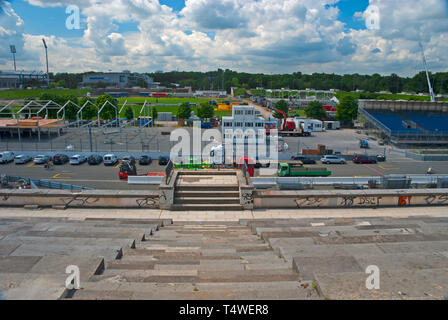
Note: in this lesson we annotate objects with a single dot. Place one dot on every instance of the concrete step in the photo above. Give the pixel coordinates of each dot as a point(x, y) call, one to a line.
point(206, 194)
point(207, 188)
point(206, 207)
point(197, 276)
point(206, 200)
point(202, 291)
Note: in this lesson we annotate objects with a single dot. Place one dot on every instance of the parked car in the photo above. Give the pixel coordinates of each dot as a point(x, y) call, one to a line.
point(6, 157)
point(128, 158)
point(163, 161)
point(304, 160)
point(22, 159)
point(77, 159)
point(41, 159)
point(60, 159)
point(364, 159)
point(95, 159)
point(333, 159)
point(145, 160)
point(110, 159)
point(380, 158)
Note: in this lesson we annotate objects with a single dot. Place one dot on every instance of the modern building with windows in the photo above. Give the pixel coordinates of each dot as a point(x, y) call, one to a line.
point(17, 79)
point(243, 118)
point(122, 80)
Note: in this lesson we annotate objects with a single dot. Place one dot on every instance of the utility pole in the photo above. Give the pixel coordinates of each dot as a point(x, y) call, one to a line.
point(46, 57)
point(13, 51)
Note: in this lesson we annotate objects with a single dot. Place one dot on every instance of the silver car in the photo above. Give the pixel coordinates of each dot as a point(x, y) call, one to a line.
point(41, 159)
point(333, 159)
point(22, 159)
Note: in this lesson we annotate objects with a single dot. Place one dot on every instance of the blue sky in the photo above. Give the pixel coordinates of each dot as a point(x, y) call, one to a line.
point(246, 35)
point(41, 20)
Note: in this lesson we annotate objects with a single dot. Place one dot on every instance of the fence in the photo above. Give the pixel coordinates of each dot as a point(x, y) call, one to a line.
point(47, 183)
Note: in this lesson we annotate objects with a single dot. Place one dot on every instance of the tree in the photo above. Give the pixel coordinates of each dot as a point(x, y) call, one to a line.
point(315, 110)
point(90, 111)
point(129, 113)
point(109, 111)
point(282, 105)
point(154, 113)
point(184, 111)
point(347, 109)
point(205, 111)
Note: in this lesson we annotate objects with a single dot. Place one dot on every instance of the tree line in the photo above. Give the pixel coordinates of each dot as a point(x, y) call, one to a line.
point(225, 79)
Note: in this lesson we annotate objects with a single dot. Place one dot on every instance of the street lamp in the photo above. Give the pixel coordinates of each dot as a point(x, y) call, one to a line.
point(46, 57)
point(13, 51)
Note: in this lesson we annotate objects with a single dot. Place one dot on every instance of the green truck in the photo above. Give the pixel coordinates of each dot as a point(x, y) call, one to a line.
point(192, 164)
point(298, 170)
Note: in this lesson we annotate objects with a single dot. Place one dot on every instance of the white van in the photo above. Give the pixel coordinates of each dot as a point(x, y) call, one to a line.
point(110, 159)
point(6, 157)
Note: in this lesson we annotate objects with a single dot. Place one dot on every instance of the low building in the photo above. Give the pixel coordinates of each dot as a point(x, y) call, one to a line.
point(118, 79)
point(243, 119)
point(16, 79)
point(210, 93)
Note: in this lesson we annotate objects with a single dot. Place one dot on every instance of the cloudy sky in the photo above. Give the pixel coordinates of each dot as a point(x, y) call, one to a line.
point(270, 36)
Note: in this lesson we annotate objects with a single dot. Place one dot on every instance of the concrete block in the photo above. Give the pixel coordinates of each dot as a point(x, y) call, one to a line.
point(307, 266)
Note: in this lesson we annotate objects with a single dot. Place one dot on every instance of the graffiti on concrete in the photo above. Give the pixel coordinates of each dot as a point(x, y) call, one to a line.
point(148, 202)
point(308, 202)
point(369, 201)
point(347, 201)
point(247, 198)
point(79, 201)
point(404, 201)
point(440, 199)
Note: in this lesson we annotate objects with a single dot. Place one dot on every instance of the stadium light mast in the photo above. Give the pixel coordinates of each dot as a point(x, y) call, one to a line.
point(13, 51)
point(46, 57)
point(431, 91)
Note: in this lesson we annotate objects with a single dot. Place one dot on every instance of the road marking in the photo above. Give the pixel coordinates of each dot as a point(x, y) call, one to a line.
point(374, 170)
point(117, 165)
point(31, 165)
point(384, 168)
point(55, 176)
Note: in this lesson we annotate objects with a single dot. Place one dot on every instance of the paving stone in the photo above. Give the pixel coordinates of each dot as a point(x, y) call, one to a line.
point(130, 243)
point(108, 252)
point(6, 249)
point(307, 266)
point(23, 286)
point(408, 261)
point(11, 264)
point(413, 246)
point(58, 264)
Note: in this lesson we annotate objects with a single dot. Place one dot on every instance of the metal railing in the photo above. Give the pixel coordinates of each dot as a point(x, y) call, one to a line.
point(47, 183)
point(168, 171)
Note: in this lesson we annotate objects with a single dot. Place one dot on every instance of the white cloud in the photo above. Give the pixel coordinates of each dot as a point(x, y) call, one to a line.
point(249, 35)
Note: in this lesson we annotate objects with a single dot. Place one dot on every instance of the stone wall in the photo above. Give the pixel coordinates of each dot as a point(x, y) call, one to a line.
point(350, 198)
point(81, 199)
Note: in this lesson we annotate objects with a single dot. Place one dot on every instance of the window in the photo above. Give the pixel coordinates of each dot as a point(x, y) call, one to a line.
point(249, 124)
point(238, 124)
point(228, 124)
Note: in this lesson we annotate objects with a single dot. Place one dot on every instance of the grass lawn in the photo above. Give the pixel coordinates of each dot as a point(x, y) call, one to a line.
point(21, 94)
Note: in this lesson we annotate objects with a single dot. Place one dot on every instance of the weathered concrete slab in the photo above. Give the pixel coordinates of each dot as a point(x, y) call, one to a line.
point(400, 284)
point(108, 252)
point(17, 239)
point(24, 286)
point(308, 266)
point(408, 261)
point(6, 249)
point(11, 264)
point(57, 266)
point(413, 246)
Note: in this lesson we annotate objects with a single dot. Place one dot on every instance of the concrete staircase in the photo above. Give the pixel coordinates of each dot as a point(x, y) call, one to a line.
point(218, 260)
point(200, 190)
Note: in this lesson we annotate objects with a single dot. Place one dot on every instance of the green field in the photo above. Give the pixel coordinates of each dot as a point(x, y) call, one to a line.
point(34, 93)
point(172, 109)
point(167, 100)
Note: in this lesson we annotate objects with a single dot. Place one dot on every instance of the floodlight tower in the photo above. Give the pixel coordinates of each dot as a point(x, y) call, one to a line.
point(431, 91)
point(46, 57)
point(13, 51)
